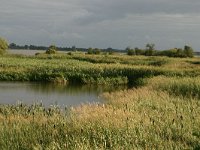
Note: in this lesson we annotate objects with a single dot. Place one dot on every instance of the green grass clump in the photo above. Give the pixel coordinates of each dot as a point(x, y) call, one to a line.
point(186, 86)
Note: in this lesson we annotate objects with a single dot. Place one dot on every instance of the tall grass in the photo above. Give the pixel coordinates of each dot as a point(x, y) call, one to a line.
point(163, 113)
point(77, 68)
point(133, 119)
point(188, 87)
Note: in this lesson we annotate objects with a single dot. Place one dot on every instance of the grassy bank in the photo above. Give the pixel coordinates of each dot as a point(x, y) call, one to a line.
point(93, 69)
point(163, 113)
point(140, 118)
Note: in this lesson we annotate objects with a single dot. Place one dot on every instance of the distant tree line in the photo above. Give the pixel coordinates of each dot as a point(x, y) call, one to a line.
point(73, 48)
point(35, 47)
point(187, 51)
point(26, 47)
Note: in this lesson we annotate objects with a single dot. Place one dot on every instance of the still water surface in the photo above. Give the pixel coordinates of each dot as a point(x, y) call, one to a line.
point(49, 94)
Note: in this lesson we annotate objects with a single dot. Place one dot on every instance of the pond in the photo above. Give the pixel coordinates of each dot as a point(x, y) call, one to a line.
point(51, 94)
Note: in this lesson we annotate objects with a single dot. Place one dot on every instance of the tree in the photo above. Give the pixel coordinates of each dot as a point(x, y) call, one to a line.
point(131, 52)
point(74, 48)
point(188, 51)
point(51, 50)
point(97, 51)
point(180, 52)
point(150, 48)
point(139, 51)
point(110, 50)
point(3, 45)
point(94, 51)
point(90, 50)
point(12, 46)
point(26, 47)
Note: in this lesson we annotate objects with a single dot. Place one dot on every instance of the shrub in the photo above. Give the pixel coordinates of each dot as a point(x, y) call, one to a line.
point(3, 45)
point(51, 50)
point(97, 51)
point(94, 51)
point(90, 51)
point(131, 52)
point(188, 51)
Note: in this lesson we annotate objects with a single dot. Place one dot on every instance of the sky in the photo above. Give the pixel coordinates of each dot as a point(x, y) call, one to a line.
point(101, 23)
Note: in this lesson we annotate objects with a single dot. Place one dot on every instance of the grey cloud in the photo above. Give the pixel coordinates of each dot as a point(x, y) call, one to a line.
point(101, 23)
point(117, 9)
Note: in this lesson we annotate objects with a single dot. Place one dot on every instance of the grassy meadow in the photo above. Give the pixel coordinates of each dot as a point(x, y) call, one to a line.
point(161, 110)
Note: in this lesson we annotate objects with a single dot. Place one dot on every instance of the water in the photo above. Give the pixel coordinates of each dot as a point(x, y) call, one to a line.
point(50, 94)
point(27, 52)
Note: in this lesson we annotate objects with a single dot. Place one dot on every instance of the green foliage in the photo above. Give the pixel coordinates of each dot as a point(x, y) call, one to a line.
point(94, 51)
point(52, 49)
point(74, 48)
point(188, 51)
point(93, 69)
point(97, 51)
point(142, 118)
point(3, 45)
point(188, 87)
point(90, 50)
point(139, 51)
point(131, 52)
point(135, 51)
point(110, 51)
point(162, 113)
point(150, 49)
point(171, 53)
point(176, 52)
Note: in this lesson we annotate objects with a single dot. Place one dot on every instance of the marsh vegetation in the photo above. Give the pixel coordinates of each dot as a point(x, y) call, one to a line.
point(162, 110)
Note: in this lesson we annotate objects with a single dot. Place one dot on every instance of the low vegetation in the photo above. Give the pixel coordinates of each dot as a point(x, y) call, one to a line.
point(161, 112)
point(93, 69)
point(51, 50)
point(148, 117)
point(3, 46)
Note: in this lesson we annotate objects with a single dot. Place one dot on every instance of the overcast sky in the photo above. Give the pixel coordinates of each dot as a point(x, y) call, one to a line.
point(101, 23)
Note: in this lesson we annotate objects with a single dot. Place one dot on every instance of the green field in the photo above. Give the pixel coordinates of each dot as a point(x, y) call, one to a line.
point(160, 111)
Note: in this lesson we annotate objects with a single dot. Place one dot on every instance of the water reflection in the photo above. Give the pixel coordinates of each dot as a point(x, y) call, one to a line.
point(47, 93)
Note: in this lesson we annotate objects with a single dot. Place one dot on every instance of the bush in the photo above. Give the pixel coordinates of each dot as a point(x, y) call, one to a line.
point(177, 52)
point(131, 52)
point(3, 45)
point(94, 51)
point(188, 51)
point(97, 51)
point(139, 51)
point(52, 50)
point(90, 51)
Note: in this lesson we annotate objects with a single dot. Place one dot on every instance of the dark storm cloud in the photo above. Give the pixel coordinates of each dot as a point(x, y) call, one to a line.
point(101, 23)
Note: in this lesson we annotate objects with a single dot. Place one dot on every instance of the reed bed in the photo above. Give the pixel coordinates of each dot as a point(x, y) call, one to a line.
point(162, 113)
point(187, 87)
point(78, 68)
point(132, 119)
